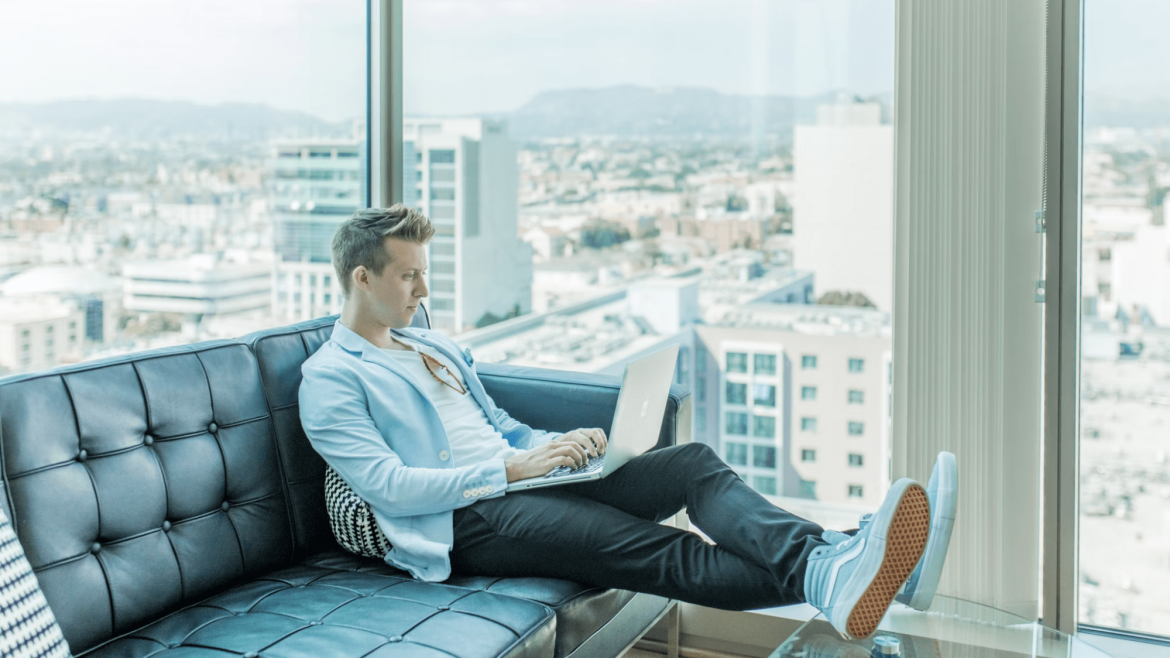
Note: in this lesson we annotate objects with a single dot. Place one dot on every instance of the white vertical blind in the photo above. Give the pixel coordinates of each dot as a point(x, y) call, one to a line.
point(967, 329)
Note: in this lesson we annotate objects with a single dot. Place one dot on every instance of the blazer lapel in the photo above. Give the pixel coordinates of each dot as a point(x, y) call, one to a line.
point(351, 342)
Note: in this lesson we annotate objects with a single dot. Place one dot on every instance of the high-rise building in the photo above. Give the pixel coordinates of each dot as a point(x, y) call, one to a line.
point(316, 185)
point(843, 210)
point(462, 173)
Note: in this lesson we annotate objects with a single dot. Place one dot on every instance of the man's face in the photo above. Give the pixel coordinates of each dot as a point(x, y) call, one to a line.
point(395, 294)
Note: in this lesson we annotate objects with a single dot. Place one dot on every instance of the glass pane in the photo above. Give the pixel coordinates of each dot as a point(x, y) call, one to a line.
point(1125, 326)
point(175, 172)
point(640, 191)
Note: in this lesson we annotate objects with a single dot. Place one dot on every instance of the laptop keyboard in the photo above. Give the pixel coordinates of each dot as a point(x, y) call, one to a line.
point(594, 464)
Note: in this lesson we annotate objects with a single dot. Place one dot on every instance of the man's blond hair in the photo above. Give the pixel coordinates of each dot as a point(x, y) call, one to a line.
point(360, 240)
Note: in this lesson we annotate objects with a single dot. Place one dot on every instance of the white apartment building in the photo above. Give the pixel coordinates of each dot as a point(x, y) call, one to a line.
point(797, 402)
point(39, 333)
point(843, 204)
point(316, 185)
point(199, 285)
point(462, 173)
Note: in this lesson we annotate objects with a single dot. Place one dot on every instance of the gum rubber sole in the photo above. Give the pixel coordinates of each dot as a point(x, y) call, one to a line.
point(905, 542)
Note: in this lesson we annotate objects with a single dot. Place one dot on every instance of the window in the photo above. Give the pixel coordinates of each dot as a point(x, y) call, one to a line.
point(443, 157)
point(808, 424)
point(807, 455)
point(808, 489)
point(440, 267)
point(444, 230)
point(808, 392)
point(700, 359)
point(764, 395)
point(442, 175)
point(764, 427)
point(443, 285)
point(856, 397)
point(736, 362)
point(49, 330)
point(442, 194)
point(855, 491)
point(443, 304)
point(763, 456)
point(856, 428)
point(856, 460)
point(764, 484)
point(856, 365)
point(443, 248)
point(735, 453)
point(701, 420)
point(736, 393)
point(737, 423)
point(765, 364)
point(808, 362)
point(442, 211)
point(700, 388)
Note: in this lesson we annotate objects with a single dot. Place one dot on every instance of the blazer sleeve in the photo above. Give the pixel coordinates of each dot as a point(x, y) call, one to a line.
point(333, 408)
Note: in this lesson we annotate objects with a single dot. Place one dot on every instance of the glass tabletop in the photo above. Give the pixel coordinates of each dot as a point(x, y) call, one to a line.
point(951, 628)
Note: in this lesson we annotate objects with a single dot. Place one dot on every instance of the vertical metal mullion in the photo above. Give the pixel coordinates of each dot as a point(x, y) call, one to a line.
point(385, 103)
point(1062, 314)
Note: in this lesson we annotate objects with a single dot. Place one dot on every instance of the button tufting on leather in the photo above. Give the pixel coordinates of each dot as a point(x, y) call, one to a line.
point(95, 548)
point(148, 440)
point(213, 428)
point(396, 638)
point(315, 623)
point(251, 654)
point(166, 526)
point(225, 506)
point(82, 456)
point(444, 608)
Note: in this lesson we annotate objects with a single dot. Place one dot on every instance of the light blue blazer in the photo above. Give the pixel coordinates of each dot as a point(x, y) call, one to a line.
point(371, 421)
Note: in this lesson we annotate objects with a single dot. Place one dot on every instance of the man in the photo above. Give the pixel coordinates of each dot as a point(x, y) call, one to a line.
point(402, 417)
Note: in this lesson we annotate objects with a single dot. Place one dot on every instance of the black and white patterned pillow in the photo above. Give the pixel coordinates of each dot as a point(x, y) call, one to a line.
point(352, 520)
point(28, 628)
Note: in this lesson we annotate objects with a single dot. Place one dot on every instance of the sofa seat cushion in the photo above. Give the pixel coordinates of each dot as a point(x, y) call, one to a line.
point(332, 605)
point(581, 610)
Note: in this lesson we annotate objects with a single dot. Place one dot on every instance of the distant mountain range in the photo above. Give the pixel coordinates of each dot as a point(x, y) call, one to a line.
point(629, 111)
point(624, 111)
point(151, 120)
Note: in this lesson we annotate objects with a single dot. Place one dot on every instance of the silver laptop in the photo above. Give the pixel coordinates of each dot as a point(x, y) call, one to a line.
point(637, 422)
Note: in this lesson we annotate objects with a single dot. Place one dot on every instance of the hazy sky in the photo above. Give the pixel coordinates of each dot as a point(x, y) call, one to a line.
point(466, 56)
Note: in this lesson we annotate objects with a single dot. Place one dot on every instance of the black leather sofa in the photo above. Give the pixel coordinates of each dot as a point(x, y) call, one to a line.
point(171, 506)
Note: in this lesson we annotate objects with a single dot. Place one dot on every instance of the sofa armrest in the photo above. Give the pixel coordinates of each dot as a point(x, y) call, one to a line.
point(560, 400)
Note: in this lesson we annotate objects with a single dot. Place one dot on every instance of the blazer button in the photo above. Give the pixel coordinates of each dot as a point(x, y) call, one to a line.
point(466, 493)
point(490, 488)
point(444, 455)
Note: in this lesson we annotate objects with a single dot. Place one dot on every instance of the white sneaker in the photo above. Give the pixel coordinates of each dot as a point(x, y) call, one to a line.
point(854, 579)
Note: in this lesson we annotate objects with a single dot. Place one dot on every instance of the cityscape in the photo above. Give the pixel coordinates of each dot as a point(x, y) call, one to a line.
point(761, 256)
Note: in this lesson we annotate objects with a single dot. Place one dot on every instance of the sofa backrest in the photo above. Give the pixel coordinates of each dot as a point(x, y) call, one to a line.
point(280, 353)
point(137, 484)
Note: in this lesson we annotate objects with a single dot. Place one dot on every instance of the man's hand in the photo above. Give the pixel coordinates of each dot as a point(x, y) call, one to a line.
point(572, 449)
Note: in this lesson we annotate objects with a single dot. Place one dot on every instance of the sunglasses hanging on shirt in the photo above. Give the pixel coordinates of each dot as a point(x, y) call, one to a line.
point(431, 363)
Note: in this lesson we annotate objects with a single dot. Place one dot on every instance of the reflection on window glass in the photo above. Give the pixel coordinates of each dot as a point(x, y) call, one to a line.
point(765, 364)
point(856, 365)
point(808, 393)
point(764, 395)
point(856, 397)
point(736, 362)
point(735, 453)
point(855, 491)
point(856, 460)
point(737, 423)
point(764, 484)
point(808, 362)
point(764, 427)
point(856, 428)
point(763, 456)
point(808, 455)
point(808, 424)
point(736, 393)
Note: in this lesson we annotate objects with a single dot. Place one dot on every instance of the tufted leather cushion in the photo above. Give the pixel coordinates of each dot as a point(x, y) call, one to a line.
point(138, 484)
point(340, 605)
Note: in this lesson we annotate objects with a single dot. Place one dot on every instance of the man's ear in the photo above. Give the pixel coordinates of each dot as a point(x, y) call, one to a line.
point(360, 277)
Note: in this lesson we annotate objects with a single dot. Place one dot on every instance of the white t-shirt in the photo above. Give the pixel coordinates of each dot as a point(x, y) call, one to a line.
point(472, 437)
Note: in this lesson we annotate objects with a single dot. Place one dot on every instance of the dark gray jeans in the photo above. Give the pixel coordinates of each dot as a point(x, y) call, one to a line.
point(606, 533)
